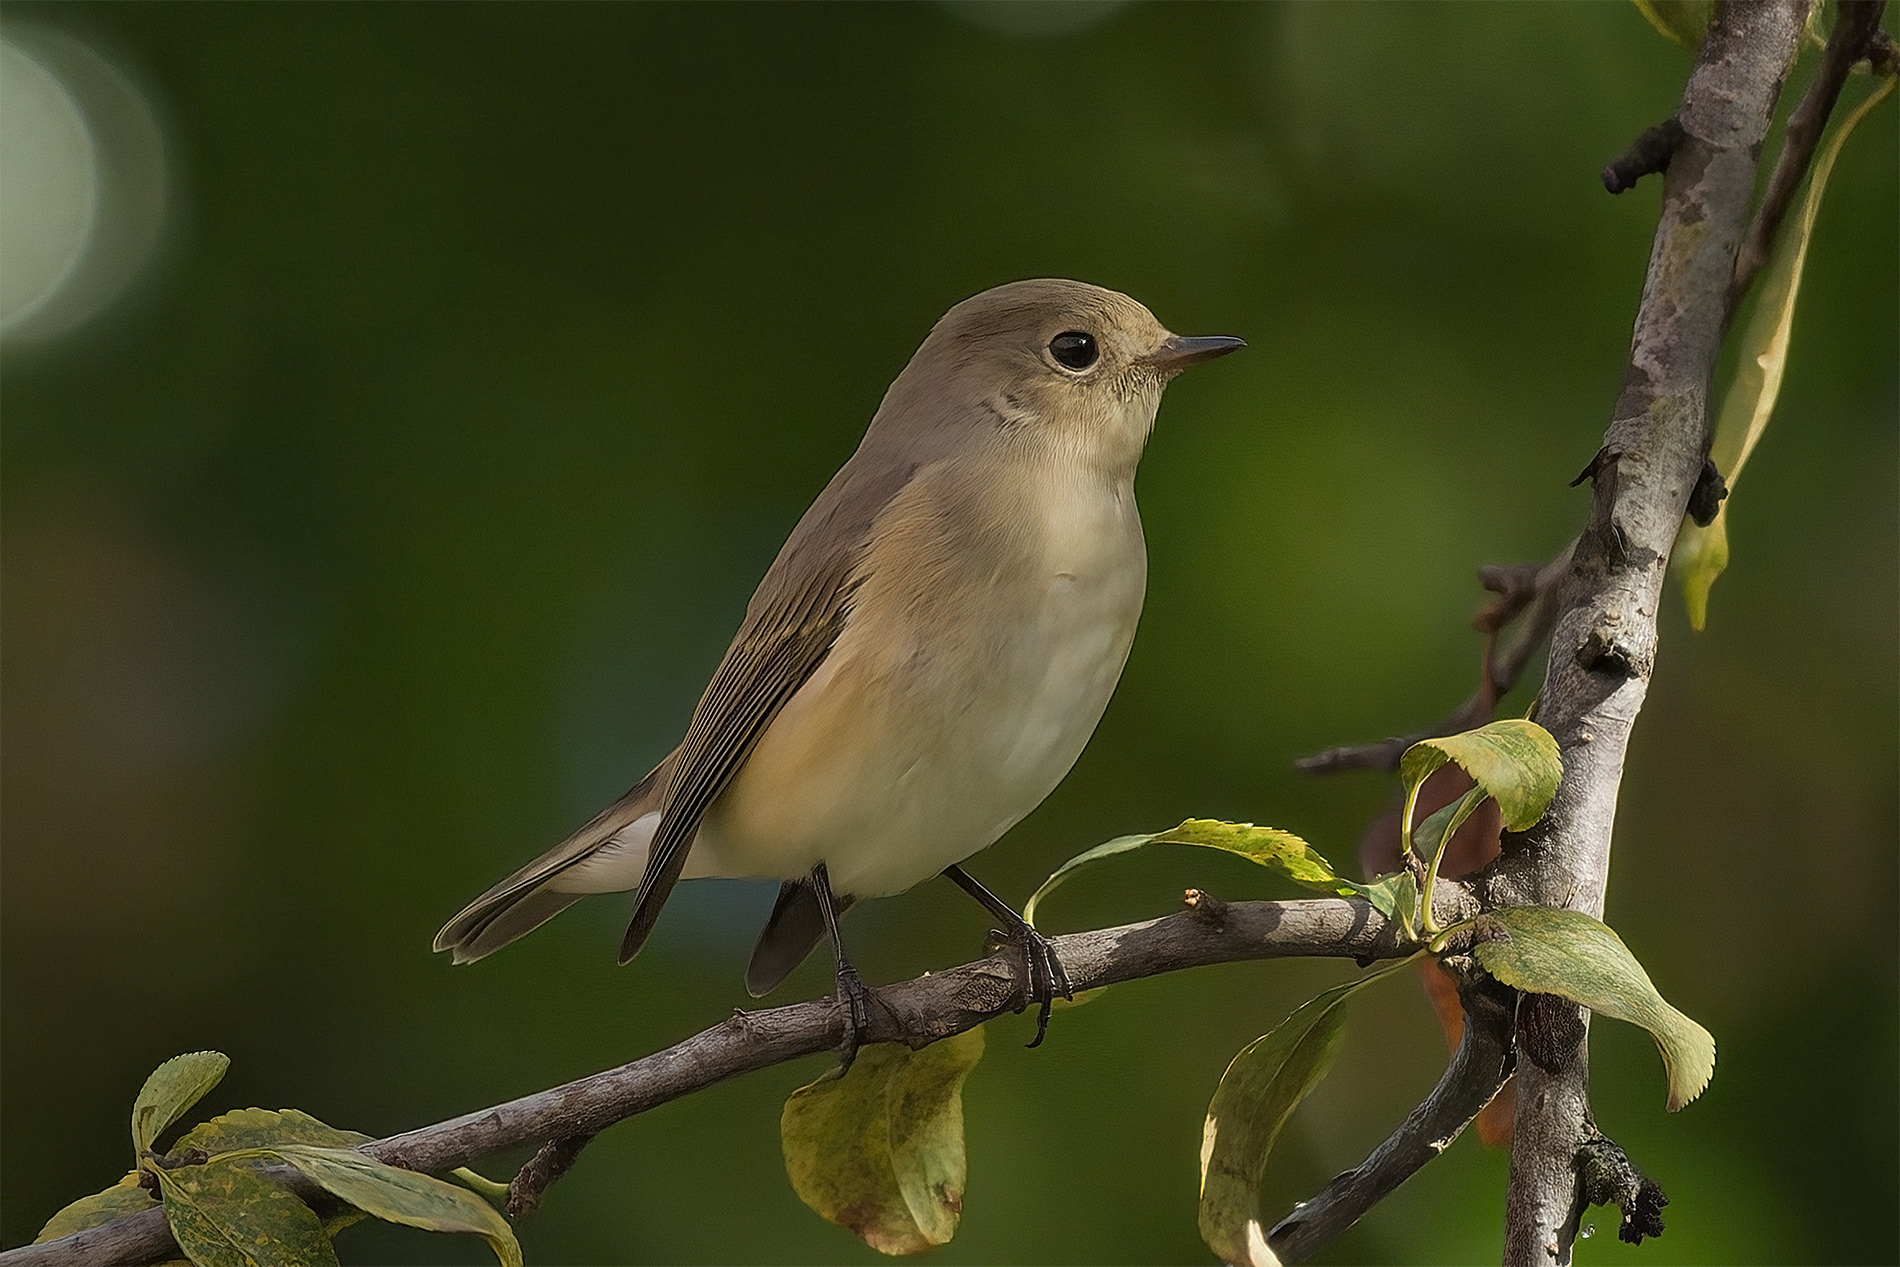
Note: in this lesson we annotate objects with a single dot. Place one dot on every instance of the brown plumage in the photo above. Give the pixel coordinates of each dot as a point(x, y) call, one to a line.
point(929, 651)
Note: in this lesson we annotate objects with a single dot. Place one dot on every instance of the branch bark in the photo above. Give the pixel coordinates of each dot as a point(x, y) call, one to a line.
point(1603, 647)
point(915, 1013)
point(1478, 1070)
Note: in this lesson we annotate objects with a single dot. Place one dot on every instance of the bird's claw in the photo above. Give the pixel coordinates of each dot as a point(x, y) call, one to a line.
point(1047, 979)
point(854, 999)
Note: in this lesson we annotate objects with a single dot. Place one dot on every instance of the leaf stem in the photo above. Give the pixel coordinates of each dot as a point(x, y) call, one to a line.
point(1426, 918)
point(1405, 820)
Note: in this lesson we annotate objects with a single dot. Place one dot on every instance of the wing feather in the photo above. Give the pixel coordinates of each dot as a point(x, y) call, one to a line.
point(794, 619)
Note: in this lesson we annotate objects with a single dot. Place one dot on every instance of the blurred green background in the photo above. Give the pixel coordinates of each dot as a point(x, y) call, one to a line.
point(391, 524)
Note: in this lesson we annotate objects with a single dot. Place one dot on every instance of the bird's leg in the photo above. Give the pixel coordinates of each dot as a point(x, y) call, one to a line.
point(1046, 976)
point(853, 998)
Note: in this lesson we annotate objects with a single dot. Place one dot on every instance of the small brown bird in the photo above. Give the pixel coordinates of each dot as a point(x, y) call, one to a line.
point(924, 660)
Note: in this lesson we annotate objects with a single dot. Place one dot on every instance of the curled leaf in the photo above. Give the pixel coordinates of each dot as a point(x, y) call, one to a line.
point(173, 1087)
point(879, 1151)
point(1514, 761)
point(1259, 1091)
point(404, 1196)
point(1700, 556)
point(1278, 851)
point(1569, 954)
point(1395, 896)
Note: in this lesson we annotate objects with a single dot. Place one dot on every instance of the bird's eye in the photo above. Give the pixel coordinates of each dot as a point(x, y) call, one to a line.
point(1073, 349)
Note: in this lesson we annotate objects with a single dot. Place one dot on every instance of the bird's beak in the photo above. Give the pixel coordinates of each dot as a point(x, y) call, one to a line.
point(1180, 351)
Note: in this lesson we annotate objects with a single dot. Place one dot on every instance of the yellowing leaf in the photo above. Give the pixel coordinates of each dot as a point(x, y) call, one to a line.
point(123, 1198)
point(261, 1128)
point(404, 1196)
point(1259, 1091)
point(1567, 953)
point(1701, 554)
point(879, 1151)
point(1279, 851)
point(173, 1087)
point(225, 1214)
point(1514, 761)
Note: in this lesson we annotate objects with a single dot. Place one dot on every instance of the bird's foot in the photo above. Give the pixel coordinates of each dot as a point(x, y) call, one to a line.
point(1046, 979)
point(1042, 967)
point(854, 999)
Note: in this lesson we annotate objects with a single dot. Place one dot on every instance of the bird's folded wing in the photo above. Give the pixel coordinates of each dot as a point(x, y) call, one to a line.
point(794, 619)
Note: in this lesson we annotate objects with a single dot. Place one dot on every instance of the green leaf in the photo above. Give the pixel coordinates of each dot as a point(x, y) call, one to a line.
point(260, 1128)
point(1567, 953)
point(122, 1198)
point(1279, 851)
point(226, 1214)
point(404, 1196)
point(1257, 1094)
point(1514, 761)
point(879, 1151)
point(1395, 896)
point(173, 1087)
point(1684, 21)
point(1430, 836)
point(1701, 554)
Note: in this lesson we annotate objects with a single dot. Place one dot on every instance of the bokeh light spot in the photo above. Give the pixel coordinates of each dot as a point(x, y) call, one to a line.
point(48, 185)
point(82, 184)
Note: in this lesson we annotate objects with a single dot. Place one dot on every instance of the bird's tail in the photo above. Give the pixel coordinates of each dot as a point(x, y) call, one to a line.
point(796, 926)
point(602, 857)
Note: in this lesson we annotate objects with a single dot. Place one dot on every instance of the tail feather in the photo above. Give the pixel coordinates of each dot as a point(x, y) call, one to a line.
point(502, 922)
point(792, 932)
point(527, 899)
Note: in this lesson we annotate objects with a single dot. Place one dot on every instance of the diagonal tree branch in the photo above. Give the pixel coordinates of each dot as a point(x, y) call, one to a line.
point(1603, 647)
point(1478, 1070)
point(915, 1013)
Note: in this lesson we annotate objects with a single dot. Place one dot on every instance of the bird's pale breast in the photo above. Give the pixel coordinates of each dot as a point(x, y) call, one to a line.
point(952, 704)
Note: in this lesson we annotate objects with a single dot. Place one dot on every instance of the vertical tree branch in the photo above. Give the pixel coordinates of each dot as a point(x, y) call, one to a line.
point(1603, 647)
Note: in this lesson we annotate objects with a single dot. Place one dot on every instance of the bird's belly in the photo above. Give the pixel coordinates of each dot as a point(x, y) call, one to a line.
point(896, 761)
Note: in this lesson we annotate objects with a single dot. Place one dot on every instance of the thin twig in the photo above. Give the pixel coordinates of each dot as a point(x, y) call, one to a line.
point(1515, 626)
point(1607, 1176)
point(1883, 55)
point(1856, 24)
point(1478, 1069)
point(915, 1013)
point(1648, 154)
